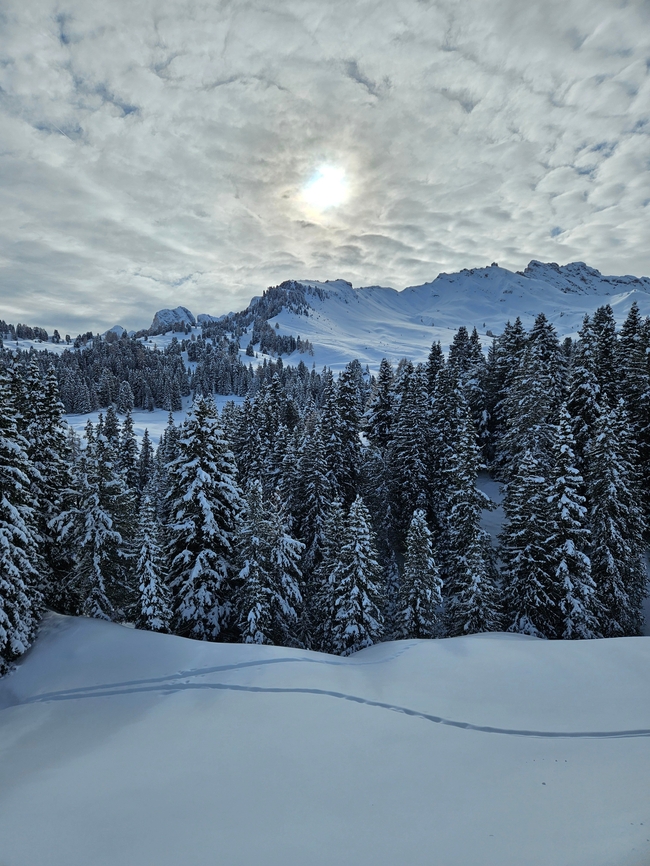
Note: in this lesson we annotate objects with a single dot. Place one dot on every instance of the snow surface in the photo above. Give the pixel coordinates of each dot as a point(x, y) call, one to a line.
point(120, 746)
point(155, 422)
point(375, 322)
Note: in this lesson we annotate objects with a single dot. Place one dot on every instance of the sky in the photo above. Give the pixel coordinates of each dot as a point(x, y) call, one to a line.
point(157, 152)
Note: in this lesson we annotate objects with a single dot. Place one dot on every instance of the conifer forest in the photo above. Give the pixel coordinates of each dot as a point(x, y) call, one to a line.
point(330, 512)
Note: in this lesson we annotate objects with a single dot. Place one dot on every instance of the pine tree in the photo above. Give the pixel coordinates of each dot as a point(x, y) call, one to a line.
point(471, 592)
point(270, 574)
point(349, 404)
point(205, 504)
point(379, 417)
point(49, 450)
point(128, 453)
point(604, 329)
point(19, 597)
point(617, 526)
point(154, 600)
point(285, 553)
point(420, 592)
point(125, 399)
point(585, 400)
point(531, 591)
point(145, 462)
point(95, 527)
point(321, 608)
point(569, 540)
point(355, 596)
point(534, 398)
point(408, 451)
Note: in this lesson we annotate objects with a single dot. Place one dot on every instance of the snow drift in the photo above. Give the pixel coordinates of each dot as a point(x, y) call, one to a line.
point(119, 746)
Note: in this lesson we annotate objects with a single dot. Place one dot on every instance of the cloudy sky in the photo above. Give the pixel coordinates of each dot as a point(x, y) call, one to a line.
point(158, 152)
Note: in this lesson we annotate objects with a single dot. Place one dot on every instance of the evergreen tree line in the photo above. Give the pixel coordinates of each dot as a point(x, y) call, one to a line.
point(330, 513)
point(127, 373)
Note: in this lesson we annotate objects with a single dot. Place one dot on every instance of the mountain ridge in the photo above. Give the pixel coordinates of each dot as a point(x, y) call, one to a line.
point(339, 322)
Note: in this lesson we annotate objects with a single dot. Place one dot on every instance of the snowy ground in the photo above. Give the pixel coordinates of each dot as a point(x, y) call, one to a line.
point(124, 747)
point(155, 422)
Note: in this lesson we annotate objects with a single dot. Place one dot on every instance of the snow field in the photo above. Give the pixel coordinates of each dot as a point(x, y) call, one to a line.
point(122, 746)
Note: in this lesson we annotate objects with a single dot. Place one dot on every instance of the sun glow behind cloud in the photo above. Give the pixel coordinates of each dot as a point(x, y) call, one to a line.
point(328, 188)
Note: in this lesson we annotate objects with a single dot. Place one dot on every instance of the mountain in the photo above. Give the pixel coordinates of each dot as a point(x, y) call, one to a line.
point(337, 322)
point(168, 320)
point(120, 746)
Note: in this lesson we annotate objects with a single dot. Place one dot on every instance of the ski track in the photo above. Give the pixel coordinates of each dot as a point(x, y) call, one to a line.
point(169, 687)
point(335, 661)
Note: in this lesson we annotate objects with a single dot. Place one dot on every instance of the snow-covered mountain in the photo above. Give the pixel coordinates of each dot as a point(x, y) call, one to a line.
point(342, 322)
point(165, 320)
point(129, 747)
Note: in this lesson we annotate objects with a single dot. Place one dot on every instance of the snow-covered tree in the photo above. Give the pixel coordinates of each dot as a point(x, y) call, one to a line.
point(420, 591)
point(96, 528)
point(569, 540)
point(19, 577)
point(471, 593)
point(204, 503)
point(270, 597)
point(355, 597)
point(153, 610)
point(379, 417)
point(617, 526)
point(531, 590)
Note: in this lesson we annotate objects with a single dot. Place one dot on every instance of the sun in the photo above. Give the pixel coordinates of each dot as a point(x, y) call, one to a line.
point(328, 188)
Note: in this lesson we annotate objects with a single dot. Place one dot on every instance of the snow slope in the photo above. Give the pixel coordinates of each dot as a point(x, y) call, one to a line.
point(375, 322)
point(126, 747)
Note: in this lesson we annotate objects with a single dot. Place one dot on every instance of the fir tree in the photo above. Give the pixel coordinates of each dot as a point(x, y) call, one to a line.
point(379, 417)
point(585, 400)
point(270, 574)
point(205, 504)
point(420, 592)
point(95, 527)
point(355, 596)
point(531, 591)
point(19, 597)
point(569, 540)
point(145, 462)
point(471, 593)
point(617, 527)
point(154, 600)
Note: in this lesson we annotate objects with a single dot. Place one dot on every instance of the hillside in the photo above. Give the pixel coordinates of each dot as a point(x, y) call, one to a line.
point(342, 322)
point(121, 746)
point(372, 323)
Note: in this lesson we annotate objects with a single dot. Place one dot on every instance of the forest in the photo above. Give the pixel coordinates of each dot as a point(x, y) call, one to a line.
point(327, 512)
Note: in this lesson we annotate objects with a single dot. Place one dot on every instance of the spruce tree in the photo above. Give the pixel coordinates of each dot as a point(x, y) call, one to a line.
point(145, 466)
point(531, 591)
point(408, 453)
point(204, 503)
point(50, 452)
point(321, 600)
point(585, 400)
point(617, 526)
point(420, 591)
point(355, 595)
point(270, 597)
point(153, 610)
point(379, 417)
point(569, 540)
point(20, 601)
point(96, 527)
point(471, 593)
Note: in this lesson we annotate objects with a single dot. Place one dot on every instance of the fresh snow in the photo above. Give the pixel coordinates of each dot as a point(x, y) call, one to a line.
point(375, 322)
point(125, 746)
point(155, 422)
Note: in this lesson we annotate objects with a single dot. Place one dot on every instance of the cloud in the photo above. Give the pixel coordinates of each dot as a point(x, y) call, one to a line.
point(154, 153)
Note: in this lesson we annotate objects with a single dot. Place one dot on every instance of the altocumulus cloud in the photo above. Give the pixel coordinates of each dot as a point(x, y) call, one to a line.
point(153, 152)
